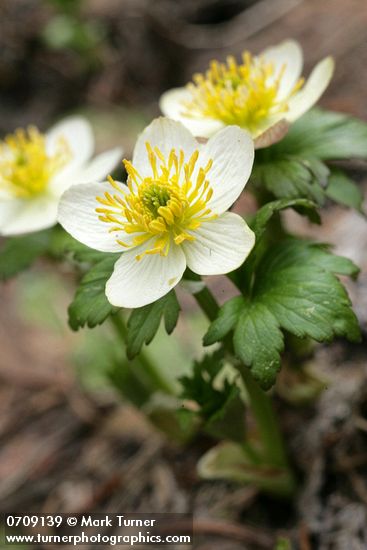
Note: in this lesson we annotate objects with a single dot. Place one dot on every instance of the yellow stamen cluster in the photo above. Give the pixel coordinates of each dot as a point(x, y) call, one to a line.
point(245, 94)
point(162, 208)
point(25, 166)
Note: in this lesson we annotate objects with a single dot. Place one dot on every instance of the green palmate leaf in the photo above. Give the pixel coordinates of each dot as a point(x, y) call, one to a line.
point(90, 306)
point(343, 190)
point(289, 176)
point(294, 289)
point(144, 322)
point(18, 253)
point(221, 407)
point(295, 282)
point(258, 342)
point(243, 277)
point(225, 322)
point(325, 135)
point(263, 215)
point(295, 167)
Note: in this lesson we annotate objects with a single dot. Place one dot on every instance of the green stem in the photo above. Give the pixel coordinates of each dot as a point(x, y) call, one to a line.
point(259, 400)
point(263, 411)
point(251, 453)
point(159, 382)
point(208, 303)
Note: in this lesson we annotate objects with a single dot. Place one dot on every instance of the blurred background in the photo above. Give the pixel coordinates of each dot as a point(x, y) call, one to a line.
point(67, 441)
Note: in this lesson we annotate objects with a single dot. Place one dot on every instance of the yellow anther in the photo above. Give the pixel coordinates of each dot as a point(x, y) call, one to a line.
point(140, 239)
point(245, 94)
point(26, 168)
point(166, 213)
point(133, 175)
point(162, 207)
point(208, 166)
point(125, 245)
point(158, 226)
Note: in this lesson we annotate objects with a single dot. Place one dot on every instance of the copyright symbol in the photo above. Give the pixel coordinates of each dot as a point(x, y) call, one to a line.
point(72, 521)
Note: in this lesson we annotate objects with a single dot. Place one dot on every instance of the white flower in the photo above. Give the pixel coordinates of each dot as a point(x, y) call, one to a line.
point(170, 215)
point(35, 170)
point(263, 94)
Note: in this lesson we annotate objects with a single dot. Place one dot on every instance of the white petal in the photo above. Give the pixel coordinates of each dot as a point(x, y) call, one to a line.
point(232, 151)
point(287, 54)
point(5, 195)
point(25, 216)
point(96, 170)
point(138, 283)
point(165, 134)
point(315, 86)
point(101, 166)
point(220, 246)
point(79, 136)
point(171, 105)
point(77, 214)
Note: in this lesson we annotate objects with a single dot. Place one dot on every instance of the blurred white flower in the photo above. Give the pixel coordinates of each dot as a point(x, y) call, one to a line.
point(35, 170)
point(263, 94)
point(170, 215)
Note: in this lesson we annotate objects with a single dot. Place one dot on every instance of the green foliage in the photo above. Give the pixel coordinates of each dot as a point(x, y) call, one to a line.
point(325, 135)
point(199, 386)
point(295, 166)
point(265, 213)
point(221, 409)
point(229, 460)
point(343, 190)
point(68, 31)
point(167, 414)
point(19, 253)
point(289, 176)
point(258, 341)
point(225, 322)
point(81, 253)
point(244, 275)
point(283, 544)
point(144, 322)
point(294, 289)
point(131, 381)
point(90, 306)
point(228, 421)
point(66, 5)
